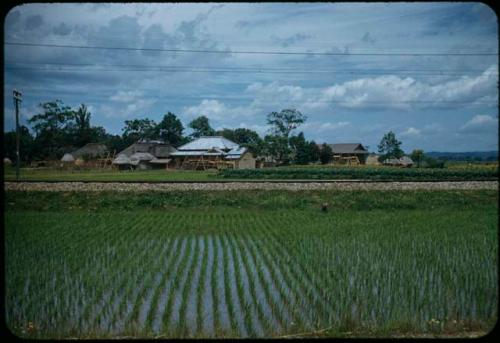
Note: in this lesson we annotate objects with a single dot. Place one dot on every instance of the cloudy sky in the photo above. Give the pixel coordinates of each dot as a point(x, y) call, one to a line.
point(427, 71)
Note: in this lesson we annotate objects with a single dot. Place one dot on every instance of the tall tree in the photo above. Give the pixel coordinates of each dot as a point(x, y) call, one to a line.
point(170, 129)
point(137, 129)
point(389, 147)
point(282, 123)
point(82, 130)
point(325, 154)
point(314, 152)
point(201, 127)
point(277, 147)
point(300, 149)
point(52, 130)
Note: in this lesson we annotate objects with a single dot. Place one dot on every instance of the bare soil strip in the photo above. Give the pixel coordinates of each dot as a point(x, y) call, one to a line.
point(293, 186)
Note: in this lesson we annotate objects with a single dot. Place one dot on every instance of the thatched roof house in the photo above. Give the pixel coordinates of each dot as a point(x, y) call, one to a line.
point(347, 152)
point(91, 150)
point(156, 148)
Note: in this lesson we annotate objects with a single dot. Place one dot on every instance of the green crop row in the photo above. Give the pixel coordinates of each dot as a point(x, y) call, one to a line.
point(403, 174)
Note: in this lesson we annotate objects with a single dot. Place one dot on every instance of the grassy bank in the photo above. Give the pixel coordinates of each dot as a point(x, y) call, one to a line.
point(250, 264)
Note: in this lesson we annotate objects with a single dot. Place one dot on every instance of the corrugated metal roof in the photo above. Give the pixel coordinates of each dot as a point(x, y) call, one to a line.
point(68, 158)
point(206, 143)
point(237, 151)
point(197, 153)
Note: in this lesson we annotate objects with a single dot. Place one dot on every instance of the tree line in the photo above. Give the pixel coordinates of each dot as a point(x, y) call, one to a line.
point(59, 129)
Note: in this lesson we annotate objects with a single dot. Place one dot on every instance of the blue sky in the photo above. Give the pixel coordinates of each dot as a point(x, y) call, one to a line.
point(436, 103)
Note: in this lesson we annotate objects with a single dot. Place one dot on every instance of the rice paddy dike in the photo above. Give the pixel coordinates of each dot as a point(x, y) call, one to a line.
point(251, 264)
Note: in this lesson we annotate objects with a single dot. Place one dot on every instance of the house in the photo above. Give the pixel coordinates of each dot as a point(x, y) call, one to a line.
point(213, 152)
point(349, 153)
point(145, 154)
point(89, 151)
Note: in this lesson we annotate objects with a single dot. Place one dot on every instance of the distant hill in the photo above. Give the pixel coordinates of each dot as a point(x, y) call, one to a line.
point(465, 156)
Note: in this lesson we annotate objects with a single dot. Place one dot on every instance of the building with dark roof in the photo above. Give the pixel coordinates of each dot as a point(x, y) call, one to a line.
point(350, 153)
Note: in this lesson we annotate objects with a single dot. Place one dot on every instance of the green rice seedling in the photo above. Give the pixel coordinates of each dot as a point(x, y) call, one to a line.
point(186, 289)
point(200, 289)
point(245, 306)
point(176, 283)
point(227, 287)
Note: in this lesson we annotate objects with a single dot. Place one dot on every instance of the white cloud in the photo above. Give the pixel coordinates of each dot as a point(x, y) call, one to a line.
point(480, 123)
point(126, 96)
point(411, 132)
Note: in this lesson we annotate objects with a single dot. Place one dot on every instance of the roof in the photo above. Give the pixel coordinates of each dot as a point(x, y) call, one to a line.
point(209, 142)
point(348, 148)
point(406, 160)
point(160, 160)
point(121, 159)
point(90, 149)
point(153, 147)
point(141, 156)
point(68, 158)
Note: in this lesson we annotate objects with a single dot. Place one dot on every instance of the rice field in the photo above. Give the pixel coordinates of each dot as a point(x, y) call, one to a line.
point(227, 272)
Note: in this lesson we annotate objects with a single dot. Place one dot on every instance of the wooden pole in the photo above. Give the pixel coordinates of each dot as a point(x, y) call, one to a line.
point(17, 99)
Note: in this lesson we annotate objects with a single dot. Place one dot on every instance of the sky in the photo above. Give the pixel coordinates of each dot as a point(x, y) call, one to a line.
point(427, 71)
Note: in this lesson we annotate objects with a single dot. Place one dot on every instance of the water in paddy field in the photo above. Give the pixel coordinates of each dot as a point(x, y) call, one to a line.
point(205, 285)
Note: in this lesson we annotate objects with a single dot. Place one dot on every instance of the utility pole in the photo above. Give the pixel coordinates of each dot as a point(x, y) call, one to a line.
point(17, 99)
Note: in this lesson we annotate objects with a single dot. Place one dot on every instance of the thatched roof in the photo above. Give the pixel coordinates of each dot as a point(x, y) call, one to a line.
point(140, 156)
point(91, 150)
point(7, 160)
point(68, 158)
point(121, 159)
point(348, 148)
point(156, 148)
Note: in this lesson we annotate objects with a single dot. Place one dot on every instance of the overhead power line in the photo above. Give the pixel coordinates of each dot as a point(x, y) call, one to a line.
point(250, 52)
point(173, 68)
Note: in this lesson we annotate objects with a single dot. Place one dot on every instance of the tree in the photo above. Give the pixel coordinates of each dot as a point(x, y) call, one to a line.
point(300, 149)
point(52, 130)
point(170, 129)
point(201, 127)
point(389, 147)
point(137, 129)
point(277, 147)
point(325, 154)
point(417, 156)
point(244, 137)
point(314, 152)
point(25, 145)
point(284, 122)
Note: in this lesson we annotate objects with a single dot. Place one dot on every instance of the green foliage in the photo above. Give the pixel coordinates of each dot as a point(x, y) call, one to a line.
point(244, 137)
point(137, 129)
point(170, 129)
point(366, 173)
point(325, 154)
point(431, 162)
point(277, 147)
point(418, 157)
point(300, 149)
point(389, 147)
point(201, 127)
point(284, 122)
point(26, 147)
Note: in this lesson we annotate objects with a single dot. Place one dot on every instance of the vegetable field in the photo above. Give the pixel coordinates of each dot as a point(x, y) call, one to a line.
point(229, 272)
point(365, 173)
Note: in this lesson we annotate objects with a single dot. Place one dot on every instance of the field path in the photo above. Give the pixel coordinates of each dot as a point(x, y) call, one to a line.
point(224, 186)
